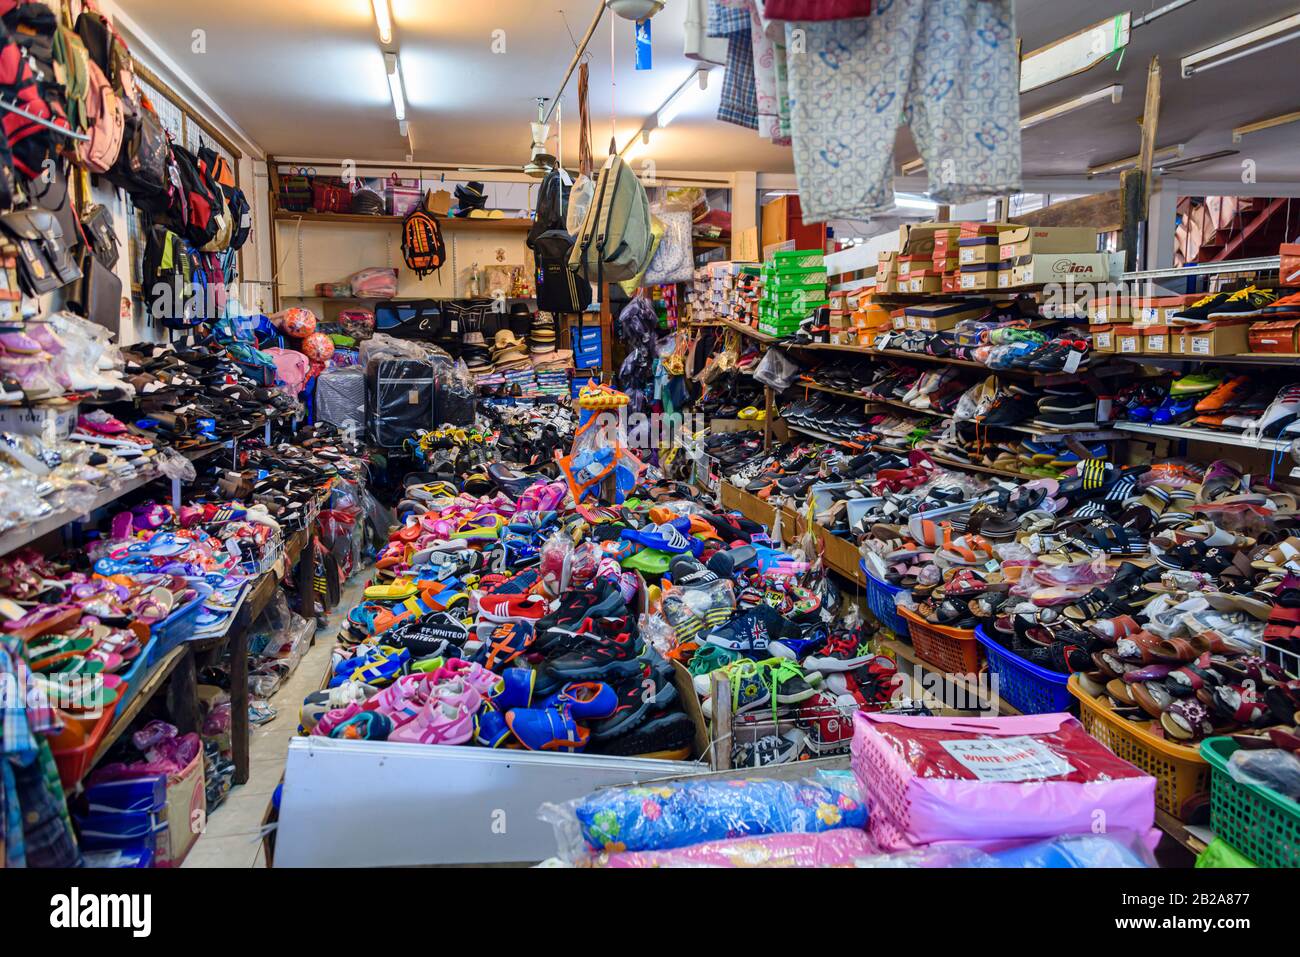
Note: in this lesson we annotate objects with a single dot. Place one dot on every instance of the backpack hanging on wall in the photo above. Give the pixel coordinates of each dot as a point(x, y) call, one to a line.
point(615, 241)
point(422, 246)
point(35, 27)
point(559, 290)
point(200, 221)
point(239, 213)
point(105, 123)
point(31, 143)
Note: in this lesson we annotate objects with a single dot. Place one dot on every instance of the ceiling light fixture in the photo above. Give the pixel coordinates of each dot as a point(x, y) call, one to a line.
point(1264, 38)
point(395, 86)
point(383, 20)
point(912, 201)
point(688, 92)
point(1130, 162)
point(1113, 93)
point(635, 9)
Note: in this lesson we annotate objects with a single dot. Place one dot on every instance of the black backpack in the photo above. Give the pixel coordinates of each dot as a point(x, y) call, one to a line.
point(202, 201)
point(141, 167)
point(559, 290)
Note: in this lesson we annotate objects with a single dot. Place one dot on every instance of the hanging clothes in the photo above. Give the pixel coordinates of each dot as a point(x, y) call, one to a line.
point(818, 9)
point(767, 100)
point(948, 69)
point(731, 19)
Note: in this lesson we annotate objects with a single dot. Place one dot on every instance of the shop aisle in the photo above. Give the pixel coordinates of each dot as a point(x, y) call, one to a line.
point(233, 835)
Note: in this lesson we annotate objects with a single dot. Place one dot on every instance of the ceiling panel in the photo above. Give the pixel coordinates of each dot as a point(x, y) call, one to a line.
point(306, 77)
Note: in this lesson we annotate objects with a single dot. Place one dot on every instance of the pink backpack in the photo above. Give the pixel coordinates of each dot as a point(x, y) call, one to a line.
point(105, 122)
point(291, 368)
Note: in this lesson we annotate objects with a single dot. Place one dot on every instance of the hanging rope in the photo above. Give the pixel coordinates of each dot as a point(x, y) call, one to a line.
point(613, 93)
point(585, 162)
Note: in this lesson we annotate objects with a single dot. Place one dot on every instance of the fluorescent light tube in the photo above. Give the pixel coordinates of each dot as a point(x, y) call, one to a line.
point(695, 84)
point(1264, 38)
point(1112, 93)
point(394, 68)
point(908, 201)
point(383, 21)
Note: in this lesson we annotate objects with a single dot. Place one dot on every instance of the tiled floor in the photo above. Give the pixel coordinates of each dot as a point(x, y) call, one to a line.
point(233, 835)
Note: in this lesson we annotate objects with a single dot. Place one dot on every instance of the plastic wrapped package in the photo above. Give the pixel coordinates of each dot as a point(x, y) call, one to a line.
point(682, 813)
point(693, 610)
point(777, 370)
point(1270, 768)
point(1119, 850)
point(456, 392)
point(843, 847)
point(992, 781)
point(341, 398)
point(381, 346)
point(399, 399)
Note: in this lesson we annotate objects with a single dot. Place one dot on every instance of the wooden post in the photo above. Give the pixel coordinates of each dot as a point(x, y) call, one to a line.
point(1135, 184)
point(721, 736)
point(272, 202)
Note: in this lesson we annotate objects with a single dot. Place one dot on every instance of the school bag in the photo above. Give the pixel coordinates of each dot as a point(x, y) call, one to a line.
point(30, 142)
point(614, 242)
point(197, 213)
point(239, 213)
point(105, 123)
point(422, 247)
point(559, 290)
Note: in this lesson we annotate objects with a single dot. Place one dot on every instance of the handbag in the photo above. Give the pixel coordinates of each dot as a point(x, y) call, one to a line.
point(57, 198)
point(295, 190)
point(44, 261)
point(97, 224)
point(101, 294)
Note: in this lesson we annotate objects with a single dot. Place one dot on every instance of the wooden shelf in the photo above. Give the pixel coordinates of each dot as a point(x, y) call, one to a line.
point(150, 687)
point(1178, 832)
point(446, 222)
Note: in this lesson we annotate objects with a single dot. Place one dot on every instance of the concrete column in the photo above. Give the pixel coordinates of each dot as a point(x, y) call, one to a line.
point(1162, 220)
point(744, 207)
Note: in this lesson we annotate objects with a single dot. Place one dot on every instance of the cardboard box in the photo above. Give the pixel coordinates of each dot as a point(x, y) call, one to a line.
point(927, 280)
point(1128, 340)
point(1289, 271)
point(746, 245)
point(979, 276)
point(979, 249)
point(952, 281)
point(1177, 341)
point(1021, 241)
point(49, 422)
point(1155, 340)
point(1277, 336)
point(1103, 338)
point(186, 810)
point(1061, 268)
point(1218, 339)
point(1111, 310)
point(939, 317)
point(783, 222)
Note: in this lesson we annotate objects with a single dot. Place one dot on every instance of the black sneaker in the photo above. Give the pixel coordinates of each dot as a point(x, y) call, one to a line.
point(770, 749)
point(438, 634)
point(637, 699)
point(1199, 311)
point(1244, 302)
point(599, 658)
point(660, 731)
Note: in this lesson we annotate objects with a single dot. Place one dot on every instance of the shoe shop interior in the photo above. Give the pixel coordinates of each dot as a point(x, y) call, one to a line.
point(510, 434)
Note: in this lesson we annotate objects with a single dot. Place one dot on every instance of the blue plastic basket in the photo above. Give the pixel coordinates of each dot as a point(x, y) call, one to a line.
point(1022, 684)
point(176, 628)
point(880, 599)
point(136, 674)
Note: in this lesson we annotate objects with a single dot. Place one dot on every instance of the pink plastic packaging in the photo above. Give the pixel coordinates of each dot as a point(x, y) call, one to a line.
point(989, 781)
point(837, 848)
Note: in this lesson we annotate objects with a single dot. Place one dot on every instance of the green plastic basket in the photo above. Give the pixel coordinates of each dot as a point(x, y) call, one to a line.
point(1263, 825)
point(1220, 853)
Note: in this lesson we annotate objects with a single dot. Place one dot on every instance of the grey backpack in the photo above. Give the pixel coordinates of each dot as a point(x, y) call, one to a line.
point(614, 242)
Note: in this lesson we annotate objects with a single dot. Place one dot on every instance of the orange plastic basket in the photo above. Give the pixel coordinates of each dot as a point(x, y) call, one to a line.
point(1180, 772)
point(955, 650)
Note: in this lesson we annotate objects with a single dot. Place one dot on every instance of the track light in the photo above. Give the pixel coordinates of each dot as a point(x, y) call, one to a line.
point(1130, 162)
point(685, 94)
point(1264, 38)
point(383, 21)
point(395, 85)
point(1112, 93)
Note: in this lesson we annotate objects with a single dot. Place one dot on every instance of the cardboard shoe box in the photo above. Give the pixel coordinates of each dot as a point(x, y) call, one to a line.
point(1155, 340)
point(1019, 242)
point(1218, 339)
point(979, 249)
point(1280, 335)
point(1128, 340)
point(1061, 268)
point(939, 317)
point(1103, 338)
point(978, 276)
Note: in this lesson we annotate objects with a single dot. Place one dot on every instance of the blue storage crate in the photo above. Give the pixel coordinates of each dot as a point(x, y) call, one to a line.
point(177, 628)
point(136, 674)
point(1022, 684)
point(880, 599)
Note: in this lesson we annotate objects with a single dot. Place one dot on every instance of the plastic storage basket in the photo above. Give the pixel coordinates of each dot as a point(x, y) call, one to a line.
point(1180, 772)
point(177, 628)
point(1262, 824)
point(880, 599)
point(1022, 684)
point(955, 650)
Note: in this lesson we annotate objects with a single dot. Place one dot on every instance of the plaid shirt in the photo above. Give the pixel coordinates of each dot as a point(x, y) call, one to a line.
point(732, 19)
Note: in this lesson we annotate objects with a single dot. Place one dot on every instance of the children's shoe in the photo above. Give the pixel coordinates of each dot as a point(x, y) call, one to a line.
point(439, 722)
point(513, 690)
point(546, 729)
point(585, 700)
point(490, 728)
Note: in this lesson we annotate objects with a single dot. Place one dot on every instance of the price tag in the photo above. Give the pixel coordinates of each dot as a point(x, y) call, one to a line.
point(1072, 361)
point(413, 397)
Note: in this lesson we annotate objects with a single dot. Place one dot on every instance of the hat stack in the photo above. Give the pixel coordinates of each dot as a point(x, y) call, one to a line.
point(477, 356)
point(541, 338)
point(509, 351)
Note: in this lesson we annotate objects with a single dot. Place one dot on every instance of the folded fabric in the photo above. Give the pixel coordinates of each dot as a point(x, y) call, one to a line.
point(816, 9)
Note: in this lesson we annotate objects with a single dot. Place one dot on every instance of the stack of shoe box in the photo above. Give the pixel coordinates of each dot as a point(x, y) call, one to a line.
point(794, 284)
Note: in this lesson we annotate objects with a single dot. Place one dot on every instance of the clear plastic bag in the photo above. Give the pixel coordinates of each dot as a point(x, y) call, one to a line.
point(777, 370)
point(1270, 768)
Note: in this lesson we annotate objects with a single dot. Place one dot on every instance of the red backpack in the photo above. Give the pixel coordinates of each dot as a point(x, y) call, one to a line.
point(31, 142)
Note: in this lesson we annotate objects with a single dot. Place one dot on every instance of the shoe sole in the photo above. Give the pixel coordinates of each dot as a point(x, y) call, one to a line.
point(832, 665)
